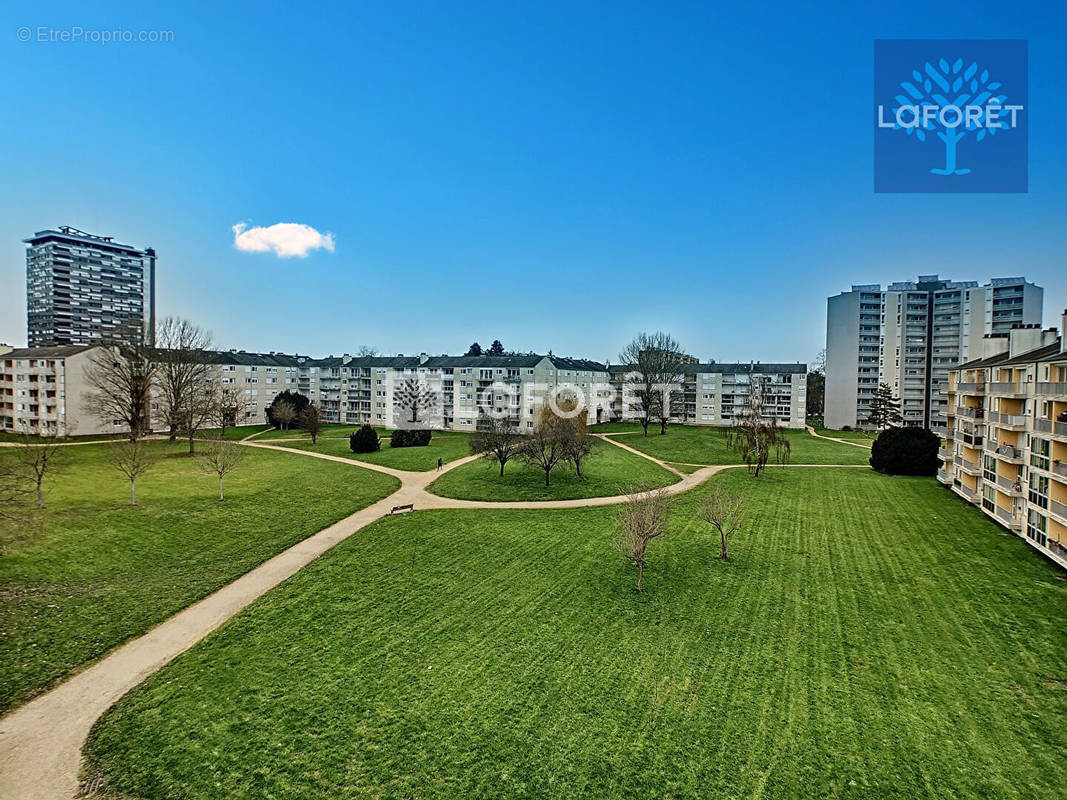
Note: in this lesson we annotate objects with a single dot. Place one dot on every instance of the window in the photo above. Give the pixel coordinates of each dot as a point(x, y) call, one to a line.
point(1039, 453)
point(1037, 527)
point(1038, 493)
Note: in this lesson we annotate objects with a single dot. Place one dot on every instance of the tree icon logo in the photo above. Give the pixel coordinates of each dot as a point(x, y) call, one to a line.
point(962, 102)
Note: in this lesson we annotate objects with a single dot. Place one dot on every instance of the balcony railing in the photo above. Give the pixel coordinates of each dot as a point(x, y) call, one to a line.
point(974, 439)
point(1052, 388)
point(973, 413)
point(944, 454)
point(1008, 420)
point(1059, 469)
point(1009, 485)
point(1008, 517)
point(1001, 387)
point(1058, 508)
point(1008, 451)
point(942, 476)
point(967, 491)
point(971, 387)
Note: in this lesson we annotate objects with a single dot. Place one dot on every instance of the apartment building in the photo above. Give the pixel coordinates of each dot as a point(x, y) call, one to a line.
point(81, 288)
point(714, 393)
point(909, 336)
point(43, 389)
point(1004, 442)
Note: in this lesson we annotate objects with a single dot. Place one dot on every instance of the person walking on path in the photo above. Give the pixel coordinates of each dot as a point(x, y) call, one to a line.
point(439, 463)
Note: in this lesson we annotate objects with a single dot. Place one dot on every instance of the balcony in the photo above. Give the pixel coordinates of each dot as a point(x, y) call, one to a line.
point(967, 466)
point(972, 413)
point(972, 439)
point(943, 476)
point(1008, 421)
point(1046, 389)
point(971, 387)
point(1009, 519)
point(1059, 470)
point(1009, 453)
point(967, 492)
point(1010, 486)
point(1058, 510)
point(1006, 388)
point(944, 454)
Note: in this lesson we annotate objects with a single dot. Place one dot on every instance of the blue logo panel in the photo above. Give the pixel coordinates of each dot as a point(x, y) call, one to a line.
point(950, 115)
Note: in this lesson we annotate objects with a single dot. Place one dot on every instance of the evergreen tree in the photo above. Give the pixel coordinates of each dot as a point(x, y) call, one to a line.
point(474, 350)
point(885, 408)
point(496, 348)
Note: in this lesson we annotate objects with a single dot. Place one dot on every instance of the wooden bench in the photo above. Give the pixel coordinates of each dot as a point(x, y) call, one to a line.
point(399, 509)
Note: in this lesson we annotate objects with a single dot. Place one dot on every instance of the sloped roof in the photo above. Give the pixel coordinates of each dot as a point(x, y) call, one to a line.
point(54, 351)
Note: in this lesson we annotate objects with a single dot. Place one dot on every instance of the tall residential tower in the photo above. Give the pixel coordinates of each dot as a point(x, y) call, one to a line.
point(80, 288)
point(909, 336)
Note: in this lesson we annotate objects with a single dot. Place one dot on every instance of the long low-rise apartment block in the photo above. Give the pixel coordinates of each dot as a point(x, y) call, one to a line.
point(1004, 447)
point(44, 389)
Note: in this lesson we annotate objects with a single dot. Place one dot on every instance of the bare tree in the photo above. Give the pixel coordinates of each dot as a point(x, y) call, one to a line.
point(224, 407)
point(120, 377)
point(133, 458)
point(411, 398)
point(754, 435)
point(726, 512)
point(38, 456)
point(221, 457)
point(642, 518)
point(572, 425)
point(184, 376)
point(284, 413)
point(366, 350)
point(310, 420)
point(498, 439)
point(547, 445)
point(655, 364)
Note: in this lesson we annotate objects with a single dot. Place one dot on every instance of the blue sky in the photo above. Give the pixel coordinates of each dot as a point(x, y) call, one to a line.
point(556, 175)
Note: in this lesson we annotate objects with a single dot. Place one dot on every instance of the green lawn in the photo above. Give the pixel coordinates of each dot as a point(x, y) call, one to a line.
point(90, 571)
point(446, 446)
point(871, 637)
point(608, 471)
point(702, 445)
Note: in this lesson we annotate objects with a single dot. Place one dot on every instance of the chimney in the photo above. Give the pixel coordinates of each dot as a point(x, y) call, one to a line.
point(1023, 338)
point(423, 358)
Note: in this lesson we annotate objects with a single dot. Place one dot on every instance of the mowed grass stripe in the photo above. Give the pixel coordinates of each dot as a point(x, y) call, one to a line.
point(835, 654)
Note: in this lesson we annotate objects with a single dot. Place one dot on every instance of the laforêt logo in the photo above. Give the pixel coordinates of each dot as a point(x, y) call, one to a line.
point(950, 116)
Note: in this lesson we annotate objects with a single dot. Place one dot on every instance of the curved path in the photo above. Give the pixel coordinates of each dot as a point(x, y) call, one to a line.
point(811, 430)
point(41, 741)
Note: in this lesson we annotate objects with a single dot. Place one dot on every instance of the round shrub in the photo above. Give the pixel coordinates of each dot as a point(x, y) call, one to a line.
point(365, 440)
point(905, 451)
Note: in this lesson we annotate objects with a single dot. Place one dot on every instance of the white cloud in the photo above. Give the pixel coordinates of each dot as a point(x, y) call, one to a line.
point(284, 239)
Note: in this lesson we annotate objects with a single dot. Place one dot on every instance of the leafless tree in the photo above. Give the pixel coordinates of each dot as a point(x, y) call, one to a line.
point(496, 438)
point(226, 403)
point(221, 457)
point(726, 512)
point(133, 458)
point(641, 519)
point(366, 350)
point(412, 398)
point(310, 420)
point(185, 390)
point(284, 413)
point(572, 425)
point(655, 365)
point(120, 376)
point(38, 456)
point(547, 445)
point(755, 436)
